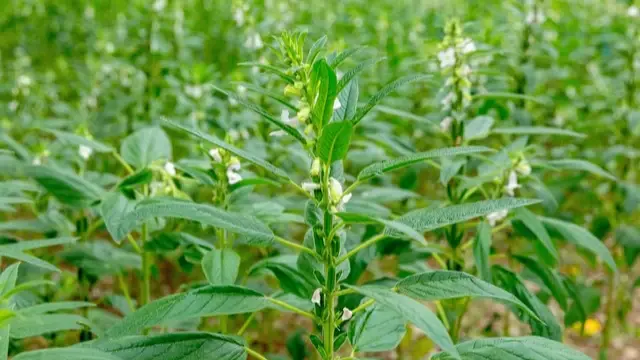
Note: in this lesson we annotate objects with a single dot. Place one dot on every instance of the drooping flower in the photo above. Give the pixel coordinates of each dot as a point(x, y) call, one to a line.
point(315, 167)
point(447, 57)
point(232, 171)
point(512, 184)
point(445, 124)
point(496, 216)
point(336, 104)
point(284, 117)
point(254, 41)
point(215, 155)
point(335, 190)
point(170, 168)
point(467, 46)
point(346, 314)
point(524, 167)
point(85, 151)
point(633, 11)
point(310, 187)
point(317, 296)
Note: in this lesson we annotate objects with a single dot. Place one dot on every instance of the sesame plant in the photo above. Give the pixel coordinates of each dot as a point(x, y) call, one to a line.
point(177, 185)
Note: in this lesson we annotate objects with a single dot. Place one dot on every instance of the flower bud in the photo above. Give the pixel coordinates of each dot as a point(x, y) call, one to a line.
point(315, 167)
point(335, 191)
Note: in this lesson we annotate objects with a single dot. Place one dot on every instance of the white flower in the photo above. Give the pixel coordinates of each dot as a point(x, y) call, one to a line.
point(244, 133)
point(335, 190)
point(633, 11)
point(284, 117)
point(336, 104)
point(215, 155)
point(315, 167)
point(536, 18)
point(195, 91)
point(317, 296)
point(523, 167)
point(447, 57)
point(85, 151)
point(37, 160)
point(494, 217)
point(242, 90)
point(448, 100)
point(465, 70)
point(468, 46)
point(238, 17)
point(310, 187)
point(234, 164)
point(159, 5)
point(233, 134)
point(445, 124)
point(109, 48)
point(512, 185)
point(346, 314)
point(343, 201)
point(278, 133)
point(253, 42)
point(233, 177)
point(170, 168)
point(24, 81)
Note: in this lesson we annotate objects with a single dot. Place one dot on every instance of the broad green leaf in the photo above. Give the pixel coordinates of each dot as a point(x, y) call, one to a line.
point(254, 231)
point(78, 140)
point(376, 329)
point(549, 277)
point(537, 130)
point(101, 258)
point(386, 90)
point(351, 74)
point(583, 238)
point(8, 278)
point(232, 149)
point(36, 325)
point(54, 306)
point(482, 250)
point(628, 236)
point(531, 221)
point(412, 311)
point(580, 165)
point(145, 146)
point(202, 302)
point(315, 49)
point(348, 98)
point(478, 127)
point(334, 140)
point(144, 176)
point(290, 278)
point(175, 346)
point(450, 168)
point(338, 59)
point(114, 209)
point(69, 188)
point(428, 219)
point(324, 85)
point(442, 285)
point(220, 266)
point(382, 167)
point(20, 150)
point(518, 348)
point(546, 323)
point(16, 251)
point(69, 353)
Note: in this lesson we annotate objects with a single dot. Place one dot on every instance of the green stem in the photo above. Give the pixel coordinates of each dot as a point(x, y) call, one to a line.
point(364, 245)
point(246, 324)
point(255, 354)
point(292, 308)
point(329, 321)
point(123, 162)
point(125, 292)
point(296, 246)
point(610, 313)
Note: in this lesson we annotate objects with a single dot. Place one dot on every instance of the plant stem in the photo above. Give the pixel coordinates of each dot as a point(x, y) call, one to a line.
point(364, 245)
point(122, 161)
point(610, 313)
point(292, 308)
point(125, 292)
point(296, 246)
point(246, 324)
point(255, 354)
point(329, 321)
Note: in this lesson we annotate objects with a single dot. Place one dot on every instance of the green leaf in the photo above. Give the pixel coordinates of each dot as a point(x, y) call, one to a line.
point(255, 232)
point(324, 85)
point(580, 165)
point(401, 230)
point(348, 98)
point(376, 329)
point(509, 96)
point(478, 128)
point(412, 311)
point(15, 251)
point(70, 353)
point(78, 140)
point(429, 219)
point(386, 90)
point(537, 130)
point(382, 167)
point(232, 149)
point(221, 266)
point(549, 277)
point(442, 285)
point(351, 74)
point(205, 301)
point(531, 221)
point(482, 251)
point(8, 279)
point(450, 168)
point(333, 142)
point(291, 279)
point(583, 238)
point(69, 188)
point(343, 56)
point(315, 49)
point(144, 176)
point(176, 346)
point(36, 325)
point(145, 146)
point(518, 348)
point(628, 236)
point(272, 69)
point(54, 306)
point(114, 209)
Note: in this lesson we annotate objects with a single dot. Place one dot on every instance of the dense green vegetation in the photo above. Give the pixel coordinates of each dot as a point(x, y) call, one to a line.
point(207, 179)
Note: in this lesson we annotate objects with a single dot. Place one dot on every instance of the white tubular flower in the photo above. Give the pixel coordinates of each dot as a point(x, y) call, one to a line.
point(336, 104)
point(467, 46)
point(24, 81)
point(448, 100)
point(447, 58)
point(234, 134)
point(465, 70)
point(445, 124)
point(215, 155)
point(244, 133)
point(254, 42)
point(335, 191)
point(346, 314)
point(36, 161)
point(494, 217)
point(85, 151)
point(233, 177)
point(159, 5)
point(317, 296)
point(169, 168)
point(345, 199)
point(633, 11)
point(234, 164)
point(524, 168)
point(238, 17)
point(512, 185)
point(315, 167)
point(310, 187)
point(194, 91)
point(284, 117)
